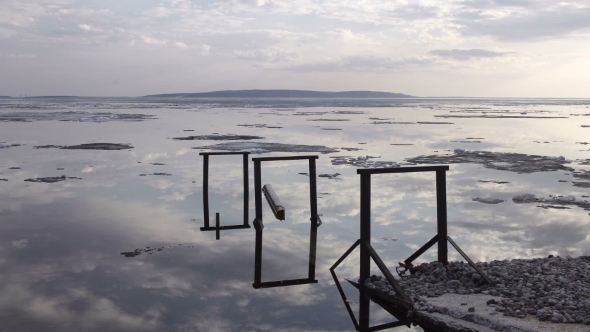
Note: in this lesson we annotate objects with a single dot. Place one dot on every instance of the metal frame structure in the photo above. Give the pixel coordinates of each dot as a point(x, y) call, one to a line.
point(217, 227)
point(259, 225)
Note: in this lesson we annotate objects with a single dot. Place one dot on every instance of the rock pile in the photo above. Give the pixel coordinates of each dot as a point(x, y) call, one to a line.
point(552, 289)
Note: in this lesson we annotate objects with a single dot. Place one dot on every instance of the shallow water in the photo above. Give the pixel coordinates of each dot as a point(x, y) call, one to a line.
point(61, 242)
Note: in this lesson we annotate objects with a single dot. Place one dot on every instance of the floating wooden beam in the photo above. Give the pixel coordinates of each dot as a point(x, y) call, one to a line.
point(274, 202)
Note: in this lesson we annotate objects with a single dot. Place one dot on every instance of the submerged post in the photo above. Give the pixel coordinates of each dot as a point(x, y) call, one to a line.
point(441, 216)
point(217, 230)
point(258, 223)
point(246, 190)
point(313, 200)
point(365, 266)
point(206, 190)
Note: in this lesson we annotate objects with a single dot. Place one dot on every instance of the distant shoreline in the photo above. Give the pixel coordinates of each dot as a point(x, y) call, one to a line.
point(282, 94)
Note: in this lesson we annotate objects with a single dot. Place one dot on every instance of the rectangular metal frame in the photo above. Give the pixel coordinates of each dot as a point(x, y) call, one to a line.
point(206, 191)
point(259, 225)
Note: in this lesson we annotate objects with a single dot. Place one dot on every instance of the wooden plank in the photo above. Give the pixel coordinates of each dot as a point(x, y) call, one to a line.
point(273, 200)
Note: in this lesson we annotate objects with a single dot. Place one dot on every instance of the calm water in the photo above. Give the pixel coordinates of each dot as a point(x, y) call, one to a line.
point(60, 243)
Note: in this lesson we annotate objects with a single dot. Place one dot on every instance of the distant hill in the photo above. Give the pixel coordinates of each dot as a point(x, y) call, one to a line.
point(285, 94)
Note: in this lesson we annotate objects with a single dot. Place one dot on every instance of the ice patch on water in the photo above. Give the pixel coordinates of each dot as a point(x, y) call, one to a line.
point(256, 147)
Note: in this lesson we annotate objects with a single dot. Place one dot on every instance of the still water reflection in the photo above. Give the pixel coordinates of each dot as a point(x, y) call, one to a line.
point(61, 243)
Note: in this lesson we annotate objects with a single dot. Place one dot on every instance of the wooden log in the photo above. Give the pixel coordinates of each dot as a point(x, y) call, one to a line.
point(274, 202)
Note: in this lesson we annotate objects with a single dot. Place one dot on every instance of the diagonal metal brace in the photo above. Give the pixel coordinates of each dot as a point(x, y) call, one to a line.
point(387, 274)
point(481, 273)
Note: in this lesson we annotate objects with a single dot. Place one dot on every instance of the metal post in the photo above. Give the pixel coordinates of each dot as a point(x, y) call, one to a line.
point(206, 190)
point(365, 266)
point(217, 230)
point(314, 218)
point(441, 215)
point(258, 201)
point(246, 190)
point(364, 310)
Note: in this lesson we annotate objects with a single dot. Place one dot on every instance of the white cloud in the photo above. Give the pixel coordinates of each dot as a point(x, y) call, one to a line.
point(153, 41)
point(180, 45)
point(20, 244)
point(205, 49)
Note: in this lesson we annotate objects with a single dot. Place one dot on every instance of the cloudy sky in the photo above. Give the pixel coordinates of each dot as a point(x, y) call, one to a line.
point(501, 48)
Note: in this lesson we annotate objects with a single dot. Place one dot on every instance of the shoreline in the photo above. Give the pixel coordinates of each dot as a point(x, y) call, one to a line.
point(539, 294)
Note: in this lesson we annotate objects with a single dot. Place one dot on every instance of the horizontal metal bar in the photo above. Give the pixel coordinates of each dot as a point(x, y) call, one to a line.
point(387, 274)
point(386, 326)
point(421, 250)
point(345, 255)
point(284, 158)
point(206, 229)
point(481, 273)
point(221, 153)
point(408, 169)
point(270, 284)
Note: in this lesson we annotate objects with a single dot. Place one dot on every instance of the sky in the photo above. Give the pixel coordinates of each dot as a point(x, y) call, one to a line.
point(483, 48)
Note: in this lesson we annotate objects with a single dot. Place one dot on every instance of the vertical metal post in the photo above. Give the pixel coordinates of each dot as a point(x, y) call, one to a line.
point(313, 199)
point(246, 190)
point(206, 190)
point(441, 216)
point(217, 229)
point(365, 266)
point(364, 310)
point(258, 201)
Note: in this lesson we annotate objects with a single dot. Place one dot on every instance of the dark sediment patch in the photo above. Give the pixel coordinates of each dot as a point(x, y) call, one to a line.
point(259, 125)
point(467, 141)
point(513, 162)
point(14, 168)
point(492, 181)
point(380, 119)
point(557, 207)
point(74, 178)
point(73, 116)
point(501, 116)
point(218, 138)
point(433, 122)
point(158, 164)
point(162, 174)
point(330, 176)
point(392, 122)
point(88, 146)
point(488, 200)
point(400, 144)
point(348, 112)
point(569, 200)
point(150, 250)
point(351, 149)
point(3, 179)
point(4, 145)
point(48, 179)
point(328, 120)
point(310, 113)
point(362, 161)
point(256, 147)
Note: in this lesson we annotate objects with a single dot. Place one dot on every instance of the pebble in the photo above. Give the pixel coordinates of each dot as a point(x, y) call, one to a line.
point(551, 289)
